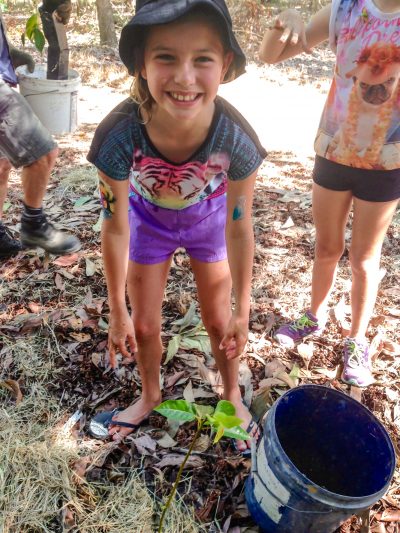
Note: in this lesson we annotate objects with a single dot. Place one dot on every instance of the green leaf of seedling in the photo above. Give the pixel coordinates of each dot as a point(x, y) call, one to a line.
point(38, 39)
point(236, 433)
point(223, 406)
point(219, 435)
point(173, 347)
point(226, 420)
point(180, 410)
point(31, 24)
point(203, 410)
point(6, 206)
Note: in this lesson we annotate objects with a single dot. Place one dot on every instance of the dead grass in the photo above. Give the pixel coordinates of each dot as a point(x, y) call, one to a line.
point(43, 488)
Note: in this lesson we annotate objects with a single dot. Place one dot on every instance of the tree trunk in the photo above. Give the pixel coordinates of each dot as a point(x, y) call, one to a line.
point(106, 23)
point(58, 51)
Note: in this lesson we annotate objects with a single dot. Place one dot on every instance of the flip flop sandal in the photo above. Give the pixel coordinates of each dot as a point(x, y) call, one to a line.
point(250, 428)
point(100, 424)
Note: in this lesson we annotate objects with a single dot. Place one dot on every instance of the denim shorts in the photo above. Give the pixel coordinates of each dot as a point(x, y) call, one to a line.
point(23, 138)
point(156, 232)
point(369, 185)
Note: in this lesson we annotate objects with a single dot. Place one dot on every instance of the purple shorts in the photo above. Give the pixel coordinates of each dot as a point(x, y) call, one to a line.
point(157, 232)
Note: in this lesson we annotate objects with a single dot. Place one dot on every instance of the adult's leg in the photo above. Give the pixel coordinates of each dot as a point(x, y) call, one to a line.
point(330, 213)
point(26, 143)
point(214, 292)
point(370, 224)
point(5, 167)
point(145, 285)
point(35, 178)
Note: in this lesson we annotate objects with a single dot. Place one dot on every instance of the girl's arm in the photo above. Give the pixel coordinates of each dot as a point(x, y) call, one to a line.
point(240, 247)
point(115, 251)
point(288, 36)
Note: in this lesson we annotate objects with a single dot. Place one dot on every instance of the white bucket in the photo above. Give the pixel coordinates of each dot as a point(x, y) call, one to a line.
point(54, 102)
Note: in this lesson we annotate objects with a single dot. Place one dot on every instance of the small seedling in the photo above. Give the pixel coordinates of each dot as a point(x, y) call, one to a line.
point(222, 420)
point(33, 32)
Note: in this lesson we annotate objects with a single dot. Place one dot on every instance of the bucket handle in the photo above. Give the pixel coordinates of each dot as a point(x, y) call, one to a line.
point(40, 94)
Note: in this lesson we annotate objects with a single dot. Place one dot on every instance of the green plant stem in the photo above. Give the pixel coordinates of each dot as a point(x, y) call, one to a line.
point(178, 476)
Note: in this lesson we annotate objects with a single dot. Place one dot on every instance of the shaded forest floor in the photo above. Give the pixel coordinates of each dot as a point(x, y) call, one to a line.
point(54, 366)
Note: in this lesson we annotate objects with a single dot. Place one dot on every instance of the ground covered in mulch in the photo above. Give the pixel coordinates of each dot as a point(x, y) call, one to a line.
point(54, 365)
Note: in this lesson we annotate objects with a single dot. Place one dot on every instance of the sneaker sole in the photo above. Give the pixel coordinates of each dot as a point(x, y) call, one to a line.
point(354, 383)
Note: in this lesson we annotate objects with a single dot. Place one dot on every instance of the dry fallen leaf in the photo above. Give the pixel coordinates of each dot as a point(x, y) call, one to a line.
point(202, 443)
point(274, 366)
point(176, 460)
point(389, 515)
point(356, 393)
point(58, 281)
point(80, 337)
point(66, 260)
point(68, 518)
point(188, 392)
point(376, 346)
point(391, 348)
point(145, 444)
point(306, 351)
point(13, 386)
point(166, 441)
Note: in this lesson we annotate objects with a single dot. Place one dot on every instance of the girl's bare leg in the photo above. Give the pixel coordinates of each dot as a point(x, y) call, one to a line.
point(145, 285)
point(370, 224)
point(330, 212)
point(214, 292)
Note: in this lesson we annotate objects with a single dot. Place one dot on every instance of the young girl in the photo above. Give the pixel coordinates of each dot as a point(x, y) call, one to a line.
point(177, 165)
point(357, 157)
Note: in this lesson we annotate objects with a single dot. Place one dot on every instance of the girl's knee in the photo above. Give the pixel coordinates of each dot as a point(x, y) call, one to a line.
point(363, 264)
point(329, 251)
point(146, 331)
point(215, 326)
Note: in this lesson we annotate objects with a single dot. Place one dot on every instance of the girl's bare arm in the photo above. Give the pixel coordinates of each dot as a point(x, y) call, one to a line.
point(288, 36)
point(240, 246)
point(115, 251)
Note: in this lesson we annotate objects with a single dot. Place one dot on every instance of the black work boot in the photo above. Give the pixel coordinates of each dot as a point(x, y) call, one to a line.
point(42, 233)
point(8, 245)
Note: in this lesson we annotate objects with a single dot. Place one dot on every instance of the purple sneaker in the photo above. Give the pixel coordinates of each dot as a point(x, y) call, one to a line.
point(357, 366)
point(289, 334)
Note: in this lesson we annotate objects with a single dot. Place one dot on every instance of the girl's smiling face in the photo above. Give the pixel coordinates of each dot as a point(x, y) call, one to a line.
point(184, 64)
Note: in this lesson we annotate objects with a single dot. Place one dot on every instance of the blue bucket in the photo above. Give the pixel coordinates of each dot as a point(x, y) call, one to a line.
point(323, 458)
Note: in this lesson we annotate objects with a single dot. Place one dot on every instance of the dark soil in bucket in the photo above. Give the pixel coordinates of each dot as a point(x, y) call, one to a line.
point(335, 442)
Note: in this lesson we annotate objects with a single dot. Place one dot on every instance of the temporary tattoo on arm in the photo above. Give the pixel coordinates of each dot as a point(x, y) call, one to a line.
point(239, 209)
point(107, 199)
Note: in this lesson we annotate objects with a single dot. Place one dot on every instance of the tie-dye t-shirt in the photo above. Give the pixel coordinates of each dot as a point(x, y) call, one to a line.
point(360, 125)
point(122, 149)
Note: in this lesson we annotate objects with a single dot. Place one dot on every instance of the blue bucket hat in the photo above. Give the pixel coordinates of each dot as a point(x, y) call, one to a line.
point(153, 12)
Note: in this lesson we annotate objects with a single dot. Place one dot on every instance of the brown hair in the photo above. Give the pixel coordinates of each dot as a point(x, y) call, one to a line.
point(139, 91)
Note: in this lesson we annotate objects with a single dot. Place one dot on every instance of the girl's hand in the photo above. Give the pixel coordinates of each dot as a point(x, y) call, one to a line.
point(235, 338)
point(293, 28)
point(121, 332)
